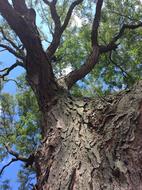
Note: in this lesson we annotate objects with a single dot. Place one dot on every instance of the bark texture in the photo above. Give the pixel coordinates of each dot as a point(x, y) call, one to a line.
point(88, 144)
point(92, 144)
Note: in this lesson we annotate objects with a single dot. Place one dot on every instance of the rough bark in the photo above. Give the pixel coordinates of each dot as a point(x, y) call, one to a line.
point(92, 144)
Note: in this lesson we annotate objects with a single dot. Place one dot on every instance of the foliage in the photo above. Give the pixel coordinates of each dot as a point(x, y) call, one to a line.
point(5, 185)
point(26, 179)
point(20, 120)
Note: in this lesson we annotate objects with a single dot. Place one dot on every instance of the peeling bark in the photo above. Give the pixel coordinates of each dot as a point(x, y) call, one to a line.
point(92, 144)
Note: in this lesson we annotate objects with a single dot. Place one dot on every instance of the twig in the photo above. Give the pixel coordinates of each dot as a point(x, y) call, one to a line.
point(123, 15)
point(5, 166)
point(18, 157)
point(112, 44)
point(123, 71)
point(8, 40)
point(12, 51)
point(7, 80)
point(9, 69)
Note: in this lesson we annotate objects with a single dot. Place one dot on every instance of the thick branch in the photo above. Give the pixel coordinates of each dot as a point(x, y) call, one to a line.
point(92, 60)
point(26, 29)
point(20, 6)
point(96, 21)
point(109, 47)
point(80, 73)
point(112, 45)
point(22, 22)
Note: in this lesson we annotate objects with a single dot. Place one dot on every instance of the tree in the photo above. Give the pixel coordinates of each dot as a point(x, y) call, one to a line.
point(86, 143)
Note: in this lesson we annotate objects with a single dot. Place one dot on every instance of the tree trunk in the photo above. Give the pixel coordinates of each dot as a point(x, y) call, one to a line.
point(92, 144)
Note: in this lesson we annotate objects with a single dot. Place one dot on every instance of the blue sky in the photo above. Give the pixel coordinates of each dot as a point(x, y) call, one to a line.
point(8, 59)
point(10, 87)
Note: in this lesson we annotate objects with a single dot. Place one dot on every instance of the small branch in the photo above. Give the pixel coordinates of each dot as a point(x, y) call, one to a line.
point(5, 166)
point(29, 161)
point(44, 17)
point(69, 13)
point(96, 22)
point(109, 47)
point(16, 54)
point(2, 50)
point(58, 30)
point(7, 80)
point(54, 14)
point(8, 40)
point(15, 154)
point(123, 28)
point(9, 69)
point(123, 15)
point(114, 63)
point(112, 45)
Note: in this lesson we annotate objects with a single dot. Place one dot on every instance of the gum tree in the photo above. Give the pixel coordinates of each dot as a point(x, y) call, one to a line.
point(86, 143)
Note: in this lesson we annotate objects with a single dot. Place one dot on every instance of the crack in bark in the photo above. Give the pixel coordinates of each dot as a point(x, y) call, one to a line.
point(72, 179)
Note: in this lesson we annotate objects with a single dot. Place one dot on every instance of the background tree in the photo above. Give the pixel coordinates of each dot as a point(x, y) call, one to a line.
point(87, 143)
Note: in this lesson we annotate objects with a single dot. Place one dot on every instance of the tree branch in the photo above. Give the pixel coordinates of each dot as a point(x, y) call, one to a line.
point(18, 157)
point(123, 15)
point(78, 74)
point(92, 60)
point(112, 45)
point(54, 14)
point(24, 21)
point(8, 40)
point(12, 51)
point(20, 6)
point(12, 80)
point(114, 63)
point(5, 166)
point(69, 13)
point(58, 28)
point(15, 154)
point(9, 69)
point(123, 28)
point(37, 62)
point(96, 22)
